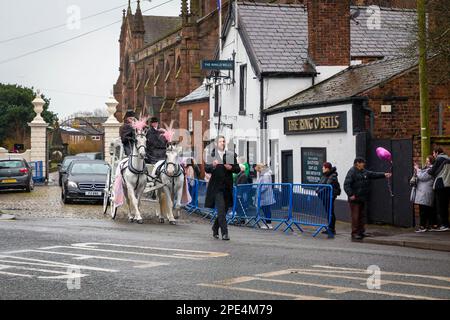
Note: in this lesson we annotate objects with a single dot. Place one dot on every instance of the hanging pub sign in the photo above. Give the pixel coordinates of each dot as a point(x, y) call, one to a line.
point(316, 123)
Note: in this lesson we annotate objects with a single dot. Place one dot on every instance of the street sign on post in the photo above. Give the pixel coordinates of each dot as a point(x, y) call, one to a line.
point(218, 64)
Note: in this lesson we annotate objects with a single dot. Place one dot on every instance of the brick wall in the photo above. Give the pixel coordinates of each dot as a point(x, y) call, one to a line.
point(329, 32)
point(404, 121)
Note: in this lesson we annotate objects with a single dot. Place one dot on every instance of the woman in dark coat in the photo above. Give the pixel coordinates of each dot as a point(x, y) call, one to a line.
point(221, 165)
point(330, 176)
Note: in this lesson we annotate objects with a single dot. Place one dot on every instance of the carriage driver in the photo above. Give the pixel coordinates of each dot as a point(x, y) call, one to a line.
point(156, 145)
point(127, 132)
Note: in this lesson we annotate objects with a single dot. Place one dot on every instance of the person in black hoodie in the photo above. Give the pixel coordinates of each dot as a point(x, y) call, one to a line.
point(221, 165)
point(357, 188)
point(329, 176)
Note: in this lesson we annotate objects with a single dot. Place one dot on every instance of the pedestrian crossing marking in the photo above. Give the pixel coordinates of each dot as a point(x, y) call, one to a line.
point(15, 260)
point(274, 293)
point(354, 270)
point(333, 273)
point(320, 273)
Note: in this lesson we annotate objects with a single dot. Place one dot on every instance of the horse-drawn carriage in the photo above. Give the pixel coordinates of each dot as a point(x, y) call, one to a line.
point(128, 177)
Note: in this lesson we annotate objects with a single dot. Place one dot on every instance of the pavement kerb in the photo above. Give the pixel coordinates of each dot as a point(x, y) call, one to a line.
point(431, 245)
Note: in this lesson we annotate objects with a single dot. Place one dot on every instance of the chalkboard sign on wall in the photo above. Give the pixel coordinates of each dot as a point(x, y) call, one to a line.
point(312, 161)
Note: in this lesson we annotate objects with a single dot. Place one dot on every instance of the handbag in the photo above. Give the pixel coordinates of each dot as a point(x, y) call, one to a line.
point(413, 181)
point(412, 197)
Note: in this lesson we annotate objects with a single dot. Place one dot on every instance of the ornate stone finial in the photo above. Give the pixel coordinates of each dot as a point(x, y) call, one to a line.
point(111, 103)
point(38, 103)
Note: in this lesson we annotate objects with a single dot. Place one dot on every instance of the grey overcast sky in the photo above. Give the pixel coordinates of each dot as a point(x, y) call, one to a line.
point(77, 75)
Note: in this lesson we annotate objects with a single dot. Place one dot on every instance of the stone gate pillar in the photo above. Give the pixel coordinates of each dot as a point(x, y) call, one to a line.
point(39, 134)
point(111, 127)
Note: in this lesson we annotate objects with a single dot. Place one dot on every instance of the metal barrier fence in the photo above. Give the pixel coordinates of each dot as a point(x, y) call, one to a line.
point(283, 203)
point(311, 206)
point(38, 171)
point(245, 204)
point(197, 205)
point(274, 203)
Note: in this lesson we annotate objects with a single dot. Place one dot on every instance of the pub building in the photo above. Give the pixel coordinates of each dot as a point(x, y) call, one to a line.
point(351, 114)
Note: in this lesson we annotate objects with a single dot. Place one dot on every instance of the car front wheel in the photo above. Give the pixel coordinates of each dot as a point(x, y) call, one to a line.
point(30, 185)
point(64, 198)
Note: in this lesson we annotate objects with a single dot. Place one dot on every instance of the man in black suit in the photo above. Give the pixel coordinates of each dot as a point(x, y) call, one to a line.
point(221, 165)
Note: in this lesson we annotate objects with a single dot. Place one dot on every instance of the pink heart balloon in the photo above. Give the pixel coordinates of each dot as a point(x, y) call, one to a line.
point(383, 154)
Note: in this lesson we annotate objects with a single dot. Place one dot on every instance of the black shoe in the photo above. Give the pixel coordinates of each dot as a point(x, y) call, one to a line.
point(215, 233)
point(366, 235)
point(326, 231)
point(357, 238)
point(225, 237)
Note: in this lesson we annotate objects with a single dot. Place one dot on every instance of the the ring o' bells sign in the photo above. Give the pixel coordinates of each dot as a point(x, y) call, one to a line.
point(316, 123)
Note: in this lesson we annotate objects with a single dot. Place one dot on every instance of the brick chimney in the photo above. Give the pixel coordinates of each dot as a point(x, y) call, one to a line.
point(329, 32)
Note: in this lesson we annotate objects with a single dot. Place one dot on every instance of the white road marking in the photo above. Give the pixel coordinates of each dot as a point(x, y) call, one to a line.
point(386, 273)
point(10, 260)
point(273, 293)
point(51, 263)
point(184, 253)
point(316, 272)
point(16, 274)
point(77, 256)
point(347, 289)
point(327, 271)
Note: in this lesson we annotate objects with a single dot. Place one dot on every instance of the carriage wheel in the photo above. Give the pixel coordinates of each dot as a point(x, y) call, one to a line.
point(106, 193)
point(113, 210)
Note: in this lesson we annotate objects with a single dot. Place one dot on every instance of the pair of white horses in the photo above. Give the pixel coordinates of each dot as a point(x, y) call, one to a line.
point(168, 183)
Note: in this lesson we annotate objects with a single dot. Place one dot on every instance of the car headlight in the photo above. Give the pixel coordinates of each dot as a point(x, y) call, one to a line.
point(72, 184)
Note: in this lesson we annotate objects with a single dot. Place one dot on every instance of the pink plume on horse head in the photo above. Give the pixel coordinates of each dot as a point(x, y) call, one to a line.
point(167, 134)
point(140, 124)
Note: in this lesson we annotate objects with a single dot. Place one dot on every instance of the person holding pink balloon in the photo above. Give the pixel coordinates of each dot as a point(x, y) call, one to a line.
point(357, 188)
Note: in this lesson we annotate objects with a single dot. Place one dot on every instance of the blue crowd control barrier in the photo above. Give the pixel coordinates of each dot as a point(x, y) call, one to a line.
point(274, 203)
point(193, 189)
point(201, 197)
point(244, 204)
point(284, 203)
point(38, 171)
point(311, 206)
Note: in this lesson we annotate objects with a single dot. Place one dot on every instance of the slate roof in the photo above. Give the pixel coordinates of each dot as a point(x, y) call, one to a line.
point(276, 35)
point(199, 94)
point(396, 32)
point(348, 83)
point(156, 27)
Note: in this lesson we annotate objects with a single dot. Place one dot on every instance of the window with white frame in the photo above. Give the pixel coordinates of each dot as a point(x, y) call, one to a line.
point(190, 124)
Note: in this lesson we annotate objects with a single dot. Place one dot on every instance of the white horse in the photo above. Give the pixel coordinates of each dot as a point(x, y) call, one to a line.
point(170, 181)
point(134, 172)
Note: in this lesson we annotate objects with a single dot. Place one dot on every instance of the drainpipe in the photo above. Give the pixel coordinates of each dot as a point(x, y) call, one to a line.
point(261, 119)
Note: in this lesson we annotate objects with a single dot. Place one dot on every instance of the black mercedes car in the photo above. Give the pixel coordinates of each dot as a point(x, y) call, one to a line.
point(16, 174)
point(62, 167)
point(84, 180)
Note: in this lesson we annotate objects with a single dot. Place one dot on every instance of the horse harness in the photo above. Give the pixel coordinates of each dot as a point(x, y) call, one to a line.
point(130, 163)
